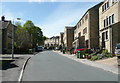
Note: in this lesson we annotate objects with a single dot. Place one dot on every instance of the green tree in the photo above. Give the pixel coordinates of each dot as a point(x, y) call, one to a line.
point(21, 38)
point(28, 36)
point(35, 32)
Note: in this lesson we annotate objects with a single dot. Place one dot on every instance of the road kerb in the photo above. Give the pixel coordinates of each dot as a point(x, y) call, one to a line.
point(22, 70)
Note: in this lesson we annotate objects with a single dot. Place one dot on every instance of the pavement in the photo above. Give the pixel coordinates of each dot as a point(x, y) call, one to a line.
point(109, 64)
point(109, 61)
point(10, 71)
point(52, 66)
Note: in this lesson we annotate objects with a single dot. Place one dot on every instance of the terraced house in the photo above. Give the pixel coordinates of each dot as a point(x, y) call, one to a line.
point(109, 24)
point(68, 37)
point(52, 42)
point(86, 33)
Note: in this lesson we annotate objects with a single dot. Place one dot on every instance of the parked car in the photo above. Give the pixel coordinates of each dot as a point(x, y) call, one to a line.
point(117, 50)
point(79, 49)
point(39, 48)
point(57, 48)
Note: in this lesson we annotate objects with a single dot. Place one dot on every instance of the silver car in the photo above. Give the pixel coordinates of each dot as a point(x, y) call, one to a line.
point(117, 53)
point(117, 50)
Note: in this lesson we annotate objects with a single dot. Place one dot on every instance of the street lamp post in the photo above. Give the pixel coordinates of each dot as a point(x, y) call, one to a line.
point(13, 38)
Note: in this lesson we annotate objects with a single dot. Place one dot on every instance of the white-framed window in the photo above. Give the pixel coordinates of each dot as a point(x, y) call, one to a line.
point(106, 6)
point(109, 21)
point(102, 8)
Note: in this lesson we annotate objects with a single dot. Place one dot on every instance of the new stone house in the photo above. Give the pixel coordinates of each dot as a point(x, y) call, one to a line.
point(68, 37)
point(6, 35)
point(109, 24)
point(86, 33)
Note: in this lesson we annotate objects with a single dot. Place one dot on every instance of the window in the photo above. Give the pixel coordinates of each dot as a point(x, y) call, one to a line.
point(109, 20)
point(85, 30)
point(105, 6)
point(113, 18)
point(108, 4)
point(106, 35)
point(104, 23)
point(80, 23)
point(102, 8)
point(79, 34)
point(113, 1)
point(83, 21)
point(86, 17)
point(77, 26)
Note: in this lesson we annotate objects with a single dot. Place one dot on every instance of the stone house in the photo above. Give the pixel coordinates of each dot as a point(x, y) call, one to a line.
point(109, 24)
point(86, 33)
point(6, 35)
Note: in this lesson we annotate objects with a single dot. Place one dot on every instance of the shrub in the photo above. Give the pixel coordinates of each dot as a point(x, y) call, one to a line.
point(105, 51)
point(107, 55)
point(100, 56)
point(93, 58)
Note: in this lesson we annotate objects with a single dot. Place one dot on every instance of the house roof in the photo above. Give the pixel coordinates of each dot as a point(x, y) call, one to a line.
point(99, 4)
point(4, 24)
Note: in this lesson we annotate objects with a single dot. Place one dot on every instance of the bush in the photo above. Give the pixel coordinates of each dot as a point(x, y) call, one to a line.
point(108, 55)
point(100, 56)
point(93, 58)
point(105, 51)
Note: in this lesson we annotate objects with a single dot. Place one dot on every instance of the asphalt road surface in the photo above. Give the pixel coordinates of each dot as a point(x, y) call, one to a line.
point(50, 66)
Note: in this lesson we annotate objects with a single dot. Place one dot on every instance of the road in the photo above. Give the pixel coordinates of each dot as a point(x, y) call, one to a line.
point(50, 66)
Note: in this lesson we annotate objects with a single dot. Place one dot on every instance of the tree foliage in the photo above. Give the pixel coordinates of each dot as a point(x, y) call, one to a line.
point(28, 35)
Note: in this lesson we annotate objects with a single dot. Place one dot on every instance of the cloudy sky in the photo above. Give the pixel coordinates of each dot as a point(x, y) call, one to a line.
point(50, 16)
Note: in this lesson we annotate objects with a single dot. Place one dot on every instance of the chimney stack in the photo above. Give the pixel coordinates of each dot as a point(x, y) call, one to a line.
point(3, 18)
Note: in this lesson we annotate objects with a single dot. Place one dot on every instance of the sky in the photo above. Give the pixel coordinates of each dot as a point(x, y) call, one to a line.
point(51, 17)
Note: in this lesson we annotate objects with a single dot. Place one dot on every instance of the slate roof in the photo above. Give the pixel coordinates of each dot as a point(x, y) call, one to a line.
point(4, 24)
